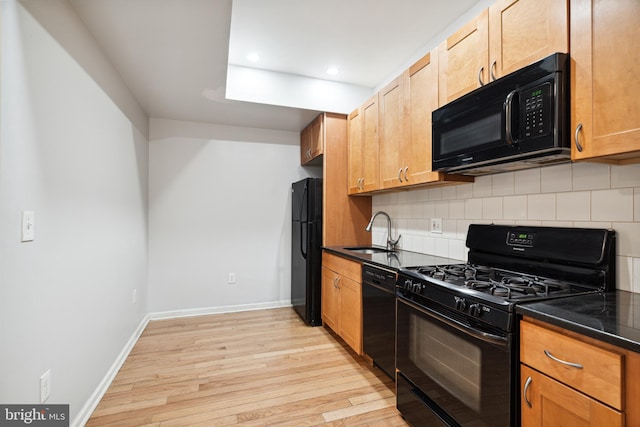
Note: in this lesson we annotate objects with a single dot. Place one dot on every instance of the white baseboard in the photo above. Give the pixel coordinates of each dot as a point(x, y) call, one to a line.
point(217, 310)
point(91, 404)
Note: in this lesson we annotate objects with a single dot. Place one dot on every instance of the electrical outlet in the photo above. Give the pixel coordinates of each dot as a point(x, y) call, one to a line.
point(28, 224)
point(45, 386)
point(232, 278)
point(436, 225)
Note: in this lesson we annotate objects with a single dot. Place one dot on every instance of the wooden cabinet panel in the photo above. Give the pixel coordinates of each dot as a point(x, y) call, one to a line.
point(605, 80)
point(363, 148)
point(391, 139)
point(344, 217)
point(355, 152)
point(330, 298)
point(463, 59)
point(422, 98)
point(342, 298)
point(370, 144)
point(524, 31)
point(601, 371)
point(546, 402)
point(312, 140)
point(350, 328)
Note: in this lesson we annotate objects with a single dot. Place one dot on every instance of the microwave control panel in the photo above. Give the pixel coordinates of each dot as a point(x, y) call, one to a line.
point(535, 106)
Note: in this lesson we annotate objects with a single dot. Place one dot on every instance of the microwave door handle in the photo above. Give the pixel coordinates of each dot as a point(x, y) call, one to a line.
point(507, 116)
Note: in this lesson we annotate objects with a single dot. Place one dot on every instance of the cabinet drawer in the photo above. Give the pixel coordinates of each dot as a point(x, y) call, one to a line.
point(597, 372)
point(343, 266)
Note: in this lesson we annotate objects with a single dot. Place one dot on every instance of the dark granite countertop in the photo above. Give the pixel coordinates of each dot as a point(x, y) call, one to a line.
point(612, 317)
point(395, 260)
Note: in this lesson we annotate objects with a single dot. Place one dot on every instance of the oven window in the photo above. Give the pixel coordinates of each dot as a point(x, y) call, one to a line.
point(466, 377)
point(453, 362)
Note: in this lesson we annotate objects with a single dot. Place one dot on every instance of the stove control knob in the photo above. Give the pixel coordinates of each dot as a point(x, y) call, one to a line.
point(407, 284)
point(460, 303)
point(417, 288)
point(475, 310)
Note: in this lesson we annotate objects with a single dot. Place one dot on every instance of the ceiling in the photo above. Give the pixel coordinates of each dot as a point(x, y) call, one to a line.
point(174, 54)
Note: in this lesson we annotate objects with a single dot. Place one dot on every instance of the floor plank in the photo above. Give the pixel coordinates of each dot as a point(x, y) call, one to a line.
point(257, 368)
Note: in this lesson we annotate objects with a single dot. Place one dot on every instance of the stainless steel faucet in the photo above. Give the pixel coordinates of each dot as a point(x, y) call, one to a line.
point(391, 244)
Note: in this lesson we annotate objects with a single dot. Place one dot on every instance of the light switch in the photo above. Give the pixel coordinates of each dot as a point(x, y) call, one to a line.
point(28, 224)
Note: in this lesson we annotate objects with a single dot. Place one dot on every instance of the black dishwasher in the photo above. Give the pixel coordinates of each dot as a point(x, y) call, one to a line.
point(379, 317)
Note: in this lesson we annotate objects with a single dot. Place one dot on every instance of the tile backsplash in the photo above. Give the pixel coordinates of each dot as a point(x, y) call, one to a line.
point(589, 195)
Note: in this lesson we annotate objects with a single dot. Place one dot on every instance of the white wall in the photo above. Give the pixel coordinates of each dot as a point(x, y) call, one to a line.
point(220, 203)
point(590, 195)
point(68, 153)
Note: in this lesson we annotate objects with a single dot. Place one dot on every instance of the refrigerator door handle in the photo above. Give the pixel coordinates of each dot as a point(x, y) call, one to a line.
point(303, 226)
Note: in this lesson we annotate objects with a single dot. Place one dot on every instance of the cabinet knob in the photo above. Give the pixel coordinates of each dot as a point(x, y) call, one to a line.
point(406, 175)
point(400, 174)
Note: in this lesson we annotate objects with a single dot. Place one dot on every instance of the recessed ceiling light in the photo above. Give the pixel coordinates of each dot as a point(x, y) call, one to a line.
point(253, 57)
point(332, 71)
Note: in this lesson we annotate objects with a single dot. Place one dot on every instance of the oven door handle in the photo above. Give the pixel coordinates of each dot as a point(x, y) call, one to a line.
point(483, 336)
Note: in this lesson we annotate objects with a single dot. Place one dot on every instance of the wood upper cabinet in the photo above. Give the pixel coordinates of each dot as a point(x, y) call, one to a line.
point(342, 298)
point(524, 31)
point(464, 58)
point(312, 141)
point(605, 80)
point(363, 148)
point(570, 379)
point(509, 35)
point(422, 98)
point(392, 140)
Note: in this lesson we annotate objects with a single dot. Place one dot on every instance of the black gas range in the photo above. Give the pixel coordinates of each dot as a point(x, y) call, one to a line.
point(457, 341)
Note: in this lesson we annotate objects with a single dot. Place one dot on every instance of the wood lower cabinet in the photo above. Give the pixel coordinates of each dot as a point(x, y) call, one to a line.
point(605, 82)
point(573, 380)
point(342, 299)
point(555, 404)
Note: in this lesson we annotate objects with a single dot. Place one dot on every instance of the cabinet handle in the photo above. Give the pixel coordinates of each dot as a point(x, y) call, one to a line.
point(575, 137)
point(527, 383)
point(493, 67)
point(406, 176)
point(400, 174)
point(480, 76)
point(564, 362)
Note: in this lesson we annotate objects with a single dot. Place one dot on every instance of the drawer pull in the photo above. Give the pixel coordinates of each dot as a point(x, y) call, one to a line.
point(564, 362)
point(527, 383)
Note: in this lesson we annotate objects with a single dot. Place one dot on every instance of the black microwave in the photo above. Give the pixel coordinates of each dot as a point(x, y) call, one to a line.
point(516, 122)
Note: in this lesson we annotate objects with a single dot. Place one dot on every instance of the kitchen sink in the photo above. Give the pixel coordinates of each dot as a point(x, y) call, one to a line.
point(368, 249)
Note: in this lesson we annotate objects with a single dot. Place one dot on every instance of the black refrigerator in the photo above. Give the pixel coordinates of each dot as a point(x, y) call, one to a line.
point(306, 249)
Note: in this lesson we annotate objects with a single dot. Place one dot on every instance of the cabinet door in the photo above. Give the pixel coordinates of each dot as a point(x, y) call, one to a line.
point(351, 313)
point(370, 144)
point(391, 124)
point(546, 402)
point(605, 81)
point(522, 32)
point(316, 143)
point(422, 99)
point(355, 152)
point(330, 299)
point(464, 59)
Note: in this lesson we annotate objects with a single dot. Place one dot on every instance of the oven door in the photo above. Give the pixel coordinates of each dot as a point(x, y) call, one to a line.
point(450, 374)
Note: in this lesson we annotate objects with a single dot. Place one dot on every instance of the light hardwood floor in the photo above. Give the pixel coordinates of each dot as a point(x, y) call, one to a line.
point(252, 368)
